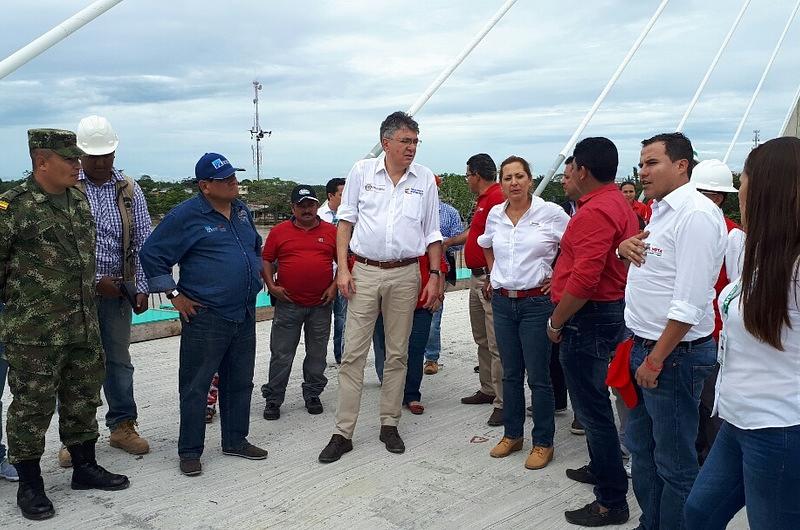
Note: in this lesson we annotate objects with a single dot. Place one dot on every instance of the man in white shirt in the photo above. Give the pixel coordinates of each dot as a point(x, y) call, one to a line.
point(388, 218)
point(327, 212)
point(669, 310)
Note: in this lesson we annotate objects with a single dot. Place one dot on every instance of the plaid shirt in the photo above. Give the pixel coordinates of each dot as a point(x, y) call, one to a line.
point(108, 249)
point(450, 223)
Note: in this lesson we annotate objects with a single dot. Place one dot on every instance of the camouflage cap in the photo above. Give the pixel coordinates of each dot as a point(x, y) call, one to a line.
point(63, 143)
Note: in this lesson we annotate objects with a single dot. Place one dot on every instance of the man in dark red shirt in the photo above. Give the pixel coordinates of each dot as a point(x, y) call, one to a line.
point(304, 248)
point(482, 181)
point(589, 290)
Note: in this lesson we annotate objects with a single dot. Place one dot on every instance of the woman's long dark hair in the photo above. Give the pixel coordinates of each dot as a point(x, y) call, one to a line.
point(772, 246)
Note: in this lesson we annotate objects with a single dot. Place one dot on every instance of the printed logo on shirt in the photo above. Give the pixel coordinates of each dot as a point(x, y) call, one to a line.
point(321, 239)
point(218, 228)
point(413, 191)
point(653, 251)
point(243, 216)
point(374, 187)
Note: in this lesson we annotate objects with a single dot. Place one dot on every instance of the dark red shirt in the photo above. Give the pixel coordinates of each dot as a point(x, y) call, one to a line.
point(722, 281)
point(642, 210)
point(473, 253)
point(588, 266)
point(305, 259)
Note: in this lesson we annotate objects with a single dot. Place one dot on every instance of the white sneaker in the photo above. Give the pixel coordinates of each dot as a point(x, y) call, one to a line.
point(8, 472)
point(627, 467)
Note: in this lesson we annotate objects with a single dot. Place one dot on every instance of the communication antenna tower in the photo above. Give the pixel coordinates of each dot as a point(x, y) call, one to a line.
point(756, 138)
point(256, 133)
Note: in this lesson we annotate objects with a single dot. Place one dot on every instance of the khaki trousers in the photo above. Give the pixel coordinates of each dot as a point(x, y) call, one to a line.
point(482, 320)
point(392, 292)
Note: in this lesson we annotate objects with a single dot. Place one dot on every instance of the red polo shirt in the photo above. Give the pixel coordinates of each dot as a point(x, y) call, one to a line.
point(473, 253)
point(588, 266)
point(305, 259)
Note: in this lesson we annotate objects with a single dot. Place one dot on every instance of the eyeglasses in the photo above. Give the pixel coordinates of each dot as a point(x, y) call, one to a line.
point(407, 141)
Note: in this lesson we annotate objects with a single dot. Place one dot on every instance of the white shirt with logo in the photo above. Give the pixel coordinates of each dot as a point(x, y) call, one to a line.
point(391, 222)
point(685, 250)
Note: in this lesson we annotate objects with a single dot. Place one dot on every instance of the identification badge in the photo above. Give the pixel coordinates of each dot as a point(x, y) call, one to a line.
point(722, 348)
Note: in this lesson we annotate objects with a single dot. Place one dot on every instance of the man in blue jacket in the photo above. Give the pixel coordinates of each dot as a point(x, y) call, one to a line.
point(213, 240)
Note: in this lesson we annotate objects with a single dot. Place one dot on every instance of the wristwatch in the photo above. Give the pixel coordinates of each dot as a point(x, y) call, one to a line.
point(437, 272)
point(172, 294)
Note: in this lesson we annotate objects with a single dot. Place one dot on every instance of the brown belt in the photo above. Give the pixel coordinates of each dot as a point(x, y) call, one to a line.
point(525, 293)
point(385, 264)
point(480, 271)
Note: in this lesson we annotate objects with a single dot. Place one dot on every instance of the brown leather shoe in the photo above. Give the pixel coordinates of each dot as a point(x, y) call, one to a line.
point(505, 447)
point(539, 457)
point(478, 398)
point(431, 367)
point(496, 419)
point(125, 437)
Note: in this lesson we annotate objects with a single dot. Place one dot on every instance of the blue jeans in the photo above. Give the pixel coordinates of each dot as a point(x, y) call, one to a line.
point(662, 430)
point(588, 340)
point(3, 372)
point(520, 326)
point(754, 468)
point(339, 318)
point(434, 346)
point(211, 344)
point(114, 315)
point(420, 329)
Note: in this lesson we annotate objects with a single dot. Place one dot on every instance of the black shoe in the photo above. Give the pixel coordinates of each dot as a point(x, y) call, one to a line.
point(31, 498)
point(478, 398)
point(590, 515)
point(496, 419)
point(248, 451)
point(582, 474)
point(86, 474)
point(576, 427)
point(530, 410)
point(391, 438)
point(313, 405)
point(338, 446)
point(191, 467)
point(272, 411)
point(477, 369)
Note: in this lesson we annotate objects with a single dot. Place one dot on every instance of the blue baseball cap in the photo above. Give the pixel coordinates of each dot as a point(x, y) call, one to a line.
point(214, 166)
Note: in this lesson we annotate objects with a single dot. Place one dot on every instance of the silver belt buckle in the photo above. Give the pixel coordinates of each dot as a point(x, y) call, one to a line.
point(513, 294)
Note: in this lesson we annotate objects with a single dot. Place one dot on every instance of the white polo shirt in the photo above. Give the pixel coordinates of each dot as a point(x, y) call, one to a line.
point(524, 254)
point(734, 254)
point(682, 263)
point(758, 386)
point(391, 222)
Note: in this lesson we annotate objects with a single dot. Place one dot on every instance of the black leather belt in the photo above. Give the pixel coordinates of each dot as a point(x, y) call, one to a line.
point(649, 342)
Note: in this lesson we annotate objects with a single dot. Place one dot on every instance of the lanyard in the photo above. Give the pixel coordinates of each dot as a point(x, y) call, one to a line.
point(736, 291)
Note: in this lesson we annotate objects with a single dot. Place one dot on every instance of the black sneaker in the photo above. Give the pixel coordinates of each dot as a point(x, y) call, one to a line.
point(338, 446)
point(248, 451)
point(590, 515)
point(496, 419)
point(577, 428)
point(391, 438)
point(582, 474)
point(313, 405)
point(272, 411)
point(191, 467)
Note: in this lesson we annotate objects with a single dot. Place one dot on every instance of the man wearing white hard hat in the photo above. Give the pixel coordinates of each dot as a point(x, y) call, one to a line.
point(123, 223)
point(713, 178)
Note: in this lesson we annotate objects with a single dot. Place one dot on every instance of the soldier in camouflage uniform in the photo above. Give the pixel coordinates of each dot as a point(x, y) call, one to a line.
point(49, 326)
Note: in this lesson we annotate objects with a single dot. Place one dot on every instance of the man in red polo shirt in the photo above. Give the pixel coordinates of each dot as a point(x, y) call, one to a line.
point(304, 248)
point(589, 292)
point(482, 181)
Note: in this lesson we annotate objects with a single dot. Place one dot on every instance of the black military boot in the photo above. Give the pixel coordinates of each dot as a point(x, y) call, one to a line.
point(86, 474)
point(30, 495)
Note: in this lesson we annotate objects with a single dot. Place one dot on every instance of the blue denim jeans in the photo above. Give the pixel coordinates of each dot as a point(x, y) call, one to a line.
point(420, 329)
point(339, 318)
point(588, 340)
point(759, 469)
point(114, 315)
point(520, 327)
point(210, 344)
point(662, 430)
point(434, 346)
point(3, 372)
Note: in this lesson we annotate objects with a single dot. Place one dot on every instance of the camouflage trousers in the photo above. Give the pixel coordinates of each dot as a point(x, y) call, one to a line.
point(37, 375)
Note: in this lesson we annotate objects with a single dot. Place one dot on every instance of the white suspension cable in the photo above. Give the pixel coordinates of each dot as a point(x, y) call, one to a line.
point(792, 108)
point(573, 140)
point(761, 82)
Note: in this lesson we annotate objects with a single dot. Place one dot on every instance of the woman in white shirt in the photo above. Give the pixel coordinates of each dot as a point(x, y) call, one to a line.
point(755, 460)
point(520, 242)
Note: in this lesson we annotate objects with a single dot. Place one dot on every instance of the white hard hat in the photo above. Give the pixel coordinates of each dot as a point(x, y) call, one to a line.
point(96, 136)
point(712, 175)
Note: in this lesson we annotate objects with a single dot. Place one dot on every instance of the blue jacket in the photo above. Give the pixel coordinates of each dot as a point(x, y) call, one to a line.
point(219, 259)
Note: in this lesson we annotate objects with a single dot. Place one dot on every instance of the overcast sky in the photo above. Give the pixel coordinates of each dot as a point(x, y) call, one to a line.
point(175, 78)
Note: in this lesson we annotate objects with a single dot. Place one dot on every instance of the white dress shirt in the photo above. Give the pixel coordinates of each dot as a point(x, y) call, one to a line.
point(734, 254)
point(682, 263)
point(524, 254)
point(326, 214)
point(391, 222)
point(758, 386)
